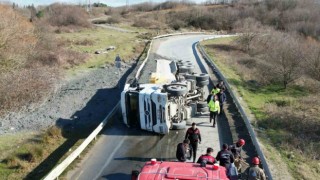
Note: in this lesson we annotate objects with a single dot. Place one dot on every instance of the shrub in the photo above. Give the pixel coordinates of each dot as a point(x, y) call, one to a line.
point(67, 15)
point(113, 20)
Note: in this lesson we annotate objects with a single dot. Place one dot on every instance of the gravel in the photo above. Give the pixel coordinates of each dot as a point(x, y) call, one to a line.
point(82, 102)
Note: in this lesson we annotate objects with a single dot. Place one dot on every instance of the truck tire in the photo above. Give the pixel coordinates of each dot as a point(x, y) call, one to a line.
point(177, 90)
point(178, 126)
point(202, 77)
point(202, 104)
point(202, 83)
point(190, 76)
point(204, 109)
point(190, 68)
point(183, 69)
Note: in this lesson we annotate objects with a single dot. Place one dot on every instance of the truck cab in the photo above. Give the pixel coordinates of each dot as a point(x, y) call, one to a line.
point(146, 107)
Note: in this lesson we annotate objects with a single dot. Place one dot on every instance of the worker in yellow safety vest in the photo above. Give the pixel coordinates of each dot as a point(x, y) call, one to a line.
point(215, 90)
point(214, 107)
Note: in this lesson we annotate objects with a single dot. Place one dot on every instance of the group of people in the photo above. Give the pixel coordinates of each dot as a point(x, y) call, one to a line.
point(215, 101)
point(229, 157)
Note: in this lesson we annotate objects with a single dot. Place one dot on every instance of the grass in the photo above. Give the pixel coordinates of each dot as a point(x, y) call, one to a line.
point(19, 159)
point(126, 45)
point(257, 97)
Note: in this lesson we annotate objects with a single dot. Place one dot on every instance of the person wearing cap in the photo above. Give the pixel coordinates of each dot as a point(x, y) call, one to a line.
point(236, 150)
point(193, 134)
point(214, 108)
point(183, 150)
point(255, 172)
point(207, 158)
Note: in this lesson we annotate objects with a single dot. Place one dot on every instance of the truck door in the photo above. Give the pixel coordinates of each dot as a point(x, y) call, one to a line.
point(132, 104)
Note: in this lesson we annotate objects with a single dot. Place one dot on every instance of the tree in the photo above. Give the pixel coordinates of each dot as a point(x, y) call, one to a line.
point(312, 55)
point(284, 54)
point(249, 29)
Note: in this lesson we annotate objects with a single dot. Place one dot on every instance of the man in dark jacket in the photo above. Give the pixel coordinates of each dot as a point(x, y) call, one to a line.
point(183, 150)
point(221, 85)
point(193, 134)
point(225, 157)
point(222, 98)
point(207, 158)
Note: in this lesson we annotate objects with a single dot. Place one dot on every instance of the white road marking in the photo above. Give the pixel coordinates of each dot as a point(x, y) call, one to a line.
point(110, 158)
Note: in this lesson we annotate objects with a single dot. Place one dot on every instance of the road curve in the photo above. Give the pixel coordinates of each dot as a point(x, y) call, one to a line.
point(120, 150)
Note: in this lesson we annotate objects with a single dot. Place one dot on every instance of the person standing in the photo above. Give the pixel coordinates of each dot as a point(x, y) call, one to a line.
point(255, 172)
point(222, 98)
point(193, 134)
point(236, 150)
point(215, 90)
point(183, 150)
point(207, 158)
point(221, 85)
point(225, 157)
point(214, 108)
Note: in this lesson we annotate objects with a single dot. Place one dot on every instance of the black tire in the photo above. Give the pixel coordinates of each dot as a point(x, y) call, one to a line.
point(178, 126)
point(177, 90)
point(190, 69)
point(202, 83)
point(204, 109)
point(202, 77)
point(190, 76)
point(202, 104)
point(183, 69)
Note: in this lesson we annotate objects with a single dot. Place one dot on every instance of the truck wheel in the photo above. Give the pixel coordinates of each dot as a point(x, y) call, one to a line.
point(202, 83)
point(178, 126)
point(202, 104)
point(204, 109)
point(190, 68)
point(190, 76)
point(183, 69)
point(202, 77)
point(177, 90)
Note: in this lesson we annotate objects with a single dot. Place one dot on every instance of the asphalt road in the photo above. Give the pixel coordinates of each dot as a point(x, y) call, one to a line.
point(120, 150)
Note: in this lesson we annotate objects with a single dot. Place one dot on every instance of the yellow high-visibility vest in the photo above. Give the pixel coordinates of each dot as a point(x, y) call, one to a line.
point(214, 106)
point(215, 91)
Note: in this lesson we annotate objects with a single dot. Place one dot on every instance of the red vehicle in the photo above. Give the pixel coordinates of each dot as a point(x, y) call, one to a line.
point(154, 170)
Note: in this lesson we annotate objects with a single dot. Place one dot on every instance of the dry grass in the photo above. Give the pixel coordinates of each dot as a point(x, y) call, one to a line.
point(288, 119)
point(24, 158)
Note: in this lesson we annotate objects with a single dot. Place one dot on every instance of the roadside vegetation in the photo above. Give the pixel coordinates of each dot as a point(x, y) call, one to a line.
point(286, 116)
point(38, 49)
point(274, 64)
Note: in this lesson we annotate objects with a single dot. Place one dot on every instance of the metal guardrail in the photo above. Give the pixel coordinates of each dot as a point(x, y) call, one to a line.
point(241, 110)
point(54, 174)
point(57, 171)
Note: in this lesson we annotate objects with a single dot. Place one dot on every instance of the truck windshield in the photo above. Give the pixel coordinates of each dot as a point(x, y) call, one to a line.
point(133, 109)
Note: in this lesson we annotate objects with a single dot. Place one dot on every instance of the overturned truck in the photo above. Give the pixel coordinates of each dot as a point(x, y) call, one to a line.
point(175, 94)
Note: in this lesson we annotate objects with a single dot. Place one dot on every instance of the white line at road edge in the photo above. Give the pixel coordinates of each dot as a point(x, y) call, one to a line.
point(110, 157)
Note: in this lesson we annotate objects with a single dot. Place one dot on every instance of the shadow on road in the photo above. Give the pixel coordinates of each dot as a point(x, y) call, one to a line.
point(117, 176)
point(82, 123)
point(140, 159)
